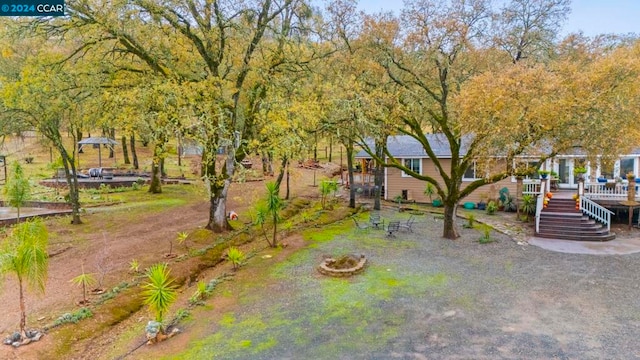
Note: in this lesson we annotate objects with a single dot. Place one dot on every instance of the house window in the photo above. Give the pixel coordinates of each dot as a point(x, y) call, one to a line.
point(606, 169)
point(626, 166)
point(414, 165)
point(528, 169)
point(471, 173)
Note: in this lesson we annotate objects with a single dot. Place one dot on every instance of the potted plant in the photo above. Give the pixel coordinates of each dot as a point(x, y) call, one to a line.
point(543, 173)
point(579, 171)
point(482, 204)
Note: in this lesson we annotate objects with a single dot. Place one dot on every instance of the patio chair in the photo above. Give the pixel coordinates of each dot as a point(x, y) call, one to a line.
point(376, 221)
point(360, 226)
point(408, 224)
point(393, 227)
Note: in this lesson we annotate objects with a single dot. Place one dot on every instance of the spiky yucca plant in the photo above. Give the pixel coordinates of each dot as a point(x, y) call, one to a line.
point(236, 256)
point(160, 291)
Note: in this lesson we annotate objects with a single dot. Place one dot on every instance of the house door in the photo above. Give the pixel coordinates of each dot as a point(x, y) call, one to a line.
point(566, 178)
point(564, 172)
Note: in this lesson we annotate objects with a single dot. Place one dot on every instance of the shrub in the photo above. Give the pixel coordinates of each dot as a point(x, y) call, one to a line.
point(235, 256)
point(470, 221)
point(486, 235)
point(492, 207)
point(509, 204)
point(200, 294)
point(528, 204)
point(74, 317)
point(327, 187)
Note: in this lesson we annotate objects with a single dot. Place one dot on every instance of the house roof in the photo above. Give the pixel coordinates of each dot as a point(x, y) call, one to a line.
point(406, 146)
point(97, 140)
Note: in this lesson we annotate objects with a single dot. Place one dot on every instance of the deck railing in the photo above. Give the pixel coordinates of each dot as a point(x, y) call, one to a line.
point(531, 187)
point(608, 191)
point(596, 211)
point(539, 206)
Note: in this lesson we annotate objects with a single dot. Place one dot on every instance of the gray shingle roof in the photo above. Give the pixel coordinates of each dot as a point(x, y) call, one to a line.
point(405, 146)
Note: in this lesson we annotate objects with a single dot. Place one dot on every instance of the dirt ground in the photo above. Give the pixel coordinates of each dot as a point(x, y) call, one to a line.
point(111, 250)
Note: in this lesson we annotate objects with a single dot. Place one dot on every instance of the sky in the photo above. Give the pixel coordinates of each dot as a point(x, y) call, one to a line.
point(592, 17)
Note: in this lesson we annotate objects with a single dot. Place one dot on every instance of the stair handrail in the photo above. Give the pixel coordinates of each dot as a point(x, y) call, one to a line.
point(540, 205)
point(596, 211)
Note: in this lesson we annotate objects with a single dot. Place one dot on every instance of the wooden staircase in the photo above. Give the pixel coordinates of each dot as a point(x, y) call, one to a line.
point(561, 220)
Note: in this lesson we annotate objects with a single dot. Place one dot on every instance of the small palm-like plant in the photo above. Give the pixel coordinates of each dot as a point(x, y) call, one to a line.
point(85, 280)
point(200, 293)
point(17, 188)
point(528, 205)
point(236, 256)
point(134, 266)
point(326, 188)
point(429, 190)
point(486, 235)
point(470, 221)
point(24, 253)
point(182, 239)
point(160, 291)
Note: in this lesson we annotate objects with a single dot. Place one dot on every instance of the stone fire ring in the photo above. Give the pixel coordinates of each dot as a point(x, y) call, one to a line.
point(326, 270)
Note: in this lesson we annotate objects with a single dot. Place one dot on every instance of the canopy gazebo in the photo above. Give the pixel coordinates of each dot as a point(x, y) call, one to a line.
point(96, 142)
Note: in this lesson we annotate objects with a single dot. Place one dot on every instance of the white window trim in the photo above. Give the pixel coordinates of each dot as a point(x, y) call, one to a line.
point(547, 163)
point(405, 175)
point(475, 173)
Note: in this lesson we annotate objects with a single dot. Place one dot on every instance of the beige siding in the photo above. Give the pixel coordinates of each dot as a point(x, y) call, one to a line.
point(415, 188)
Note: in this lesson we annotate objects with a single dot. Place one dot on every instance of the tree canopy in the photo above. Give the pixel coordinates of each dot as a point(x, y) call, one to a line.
point(272, 76)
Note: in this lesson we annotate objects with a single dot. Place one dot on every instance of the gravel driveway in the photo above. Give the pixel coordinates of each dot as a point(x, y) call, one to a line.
point(424, 297)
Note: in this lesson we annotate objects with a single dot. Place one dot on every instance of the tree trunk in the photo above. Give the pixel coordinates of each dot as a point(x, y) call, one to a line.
point(156, 171)
point(330, 147)
point(134, 156)
point(287, 194)
point(378, 179)
point(275, 230)
point(163, 170)
point(23, 311)
point(352, 189)
point(218, 210)
point(218, 189)
point(315, 147)
point(112, 135)
point(156, 183)
point(449, 231)
point(78, 138)
point(72, 183)
point(125, 151)
point(283, 166)
point(180, 150)
point(265, 164)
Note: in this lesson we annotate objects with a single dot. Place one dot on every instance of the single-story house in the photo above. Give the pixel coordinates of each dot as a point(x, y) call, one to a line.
point(408, 150)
